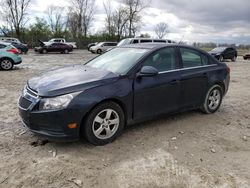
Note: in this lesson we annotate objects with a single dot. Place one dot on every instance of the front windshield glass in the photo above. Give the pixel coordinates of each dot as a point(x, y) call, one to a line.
point(118, 60)
point(99, 44)
point(124, 42)
point(219, 49)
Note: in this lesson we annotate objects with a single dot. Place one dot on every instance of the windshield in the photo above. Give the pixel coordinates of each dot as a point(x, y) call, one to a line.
point(124, 42)
point(118, 60)
point(219, 49)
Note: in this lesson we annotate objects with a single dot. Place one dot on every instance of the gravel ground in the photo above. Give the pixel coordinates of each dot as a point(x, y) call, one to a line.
point(184, 150)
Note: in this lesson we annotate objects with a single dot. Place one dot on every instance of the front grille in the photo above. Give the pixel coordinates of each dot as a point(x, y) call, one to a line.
point(31, 92)
point(24, 103)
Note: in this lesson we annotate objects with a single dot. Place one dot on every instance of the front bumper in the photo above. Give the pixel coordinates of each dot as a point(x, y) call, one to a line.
point(18, 62)
point(51, 124)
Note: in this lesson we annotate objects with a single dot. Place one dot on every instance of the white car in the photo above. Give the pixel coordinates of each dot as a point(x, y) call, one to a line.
point(102, 47)
point(143, 40)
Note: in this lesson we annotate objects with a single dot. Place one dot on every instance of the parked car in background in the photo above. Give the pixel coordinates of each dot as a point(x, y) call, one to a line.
point(123, 86)
point(91, 44)
point(102, 47)
point(8, 56)
point(53, 47)
point(246, 56)
point(61, 40)
point(9, 39)
point(222, 53)
point(22, 48)
point(142, 40)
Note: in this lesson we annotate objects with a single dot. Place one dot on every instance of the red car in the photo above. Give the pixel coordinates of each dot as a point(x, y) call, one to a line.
point(246, 56)
point(53, 47)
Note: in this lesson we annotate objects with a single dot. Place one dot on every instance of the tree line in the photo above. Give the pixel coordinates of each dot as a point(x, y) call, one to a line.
point(74, 22)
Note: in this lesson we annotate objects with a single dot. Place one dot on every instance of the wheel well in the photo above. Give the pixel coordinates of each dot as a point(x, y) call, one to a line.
point(221, 84)
point(122, 105)
point(6, 58)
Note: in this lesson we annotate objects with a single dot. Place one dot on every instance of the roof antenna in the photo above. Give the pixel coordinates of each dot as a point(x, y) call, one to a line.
point(182, 39)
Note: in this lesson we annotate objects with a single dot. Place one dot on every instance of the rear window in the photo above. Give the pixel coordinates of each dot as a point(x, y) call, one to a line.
point(193, 58)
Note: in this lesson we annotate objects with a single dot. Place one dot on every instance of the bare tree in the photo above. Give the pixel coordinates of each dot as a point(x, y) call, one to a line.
point(72, 23)
point(55, 18)
point(161, 29)
point(120, 19)
point(84, 10)
point(16, 12)
point(109, 17)
point(134, 9)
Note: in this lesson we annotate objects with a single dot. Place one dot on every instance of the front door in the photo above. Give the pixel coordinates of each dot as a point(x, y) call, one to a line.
point(160, 93)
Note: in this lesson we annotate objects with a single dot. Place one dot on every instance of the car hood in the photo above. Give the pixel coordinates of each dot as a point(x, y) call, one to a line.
point(41, 43)
point(70, 79)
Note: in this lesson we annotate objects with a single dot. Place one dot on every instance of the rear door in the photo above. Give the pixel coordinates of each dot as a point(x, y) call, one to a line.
point(194, 77)
point(160, 93)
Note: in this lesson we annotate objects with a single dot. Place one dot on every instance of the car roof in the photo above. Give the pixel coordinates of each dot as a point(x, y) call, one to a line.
point(5, 43)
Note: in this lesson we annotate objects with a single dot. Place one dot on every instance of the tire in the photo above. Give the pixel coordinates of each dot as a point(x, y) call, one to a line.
point(233, 59)
point(44, 51)
point(221, 58)
point(6, 64)
point(66, 51)
point(99, 51)
point(213, 99)
point(97, 124)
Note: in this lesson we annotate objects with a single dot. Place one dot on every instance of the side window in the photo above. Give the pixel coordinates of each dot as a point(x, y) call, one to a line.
point(160, 41)
point(143, 41)
point(192, 58)
point(162, 60)
point(135, 41)
point(2, 46)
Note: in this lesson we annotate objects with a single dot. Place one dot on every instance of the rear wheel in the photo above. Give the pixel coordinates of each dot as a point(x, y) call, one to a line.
point(66, 51)
point(6, 64)
point(104, 123)
point(213, 99)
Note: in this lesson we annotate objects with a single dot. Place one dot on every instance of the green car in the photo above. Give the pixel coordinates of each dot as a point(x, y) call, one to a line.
point(8, 56)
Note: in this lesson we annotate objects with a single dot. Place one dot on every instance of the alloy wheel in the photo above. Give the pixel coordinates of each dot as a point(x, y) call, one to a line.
point(105, 124)
point(214, 99)
point(6, 64)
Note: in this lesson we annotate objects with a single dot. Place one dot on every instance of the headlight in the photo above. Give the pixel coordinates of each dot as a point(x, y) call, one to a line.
point(56, 102)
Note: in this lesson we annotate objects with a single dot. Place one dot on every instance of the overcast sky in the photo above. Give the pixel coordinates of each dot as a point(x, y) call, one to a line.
point(193, 20)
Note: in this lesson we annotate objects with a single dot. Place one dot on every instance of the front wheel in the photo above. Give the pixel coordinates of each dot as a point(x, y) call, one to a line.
point(99, 51)
point(104, 123)
point(44, 51)
point(234, 59)
point(66, 51)
point(213, 100)
point(221, 58)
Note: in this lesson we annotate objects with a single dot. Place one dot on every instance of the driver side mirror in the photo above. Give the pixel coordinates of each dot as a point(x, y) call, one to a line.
point(147, 71)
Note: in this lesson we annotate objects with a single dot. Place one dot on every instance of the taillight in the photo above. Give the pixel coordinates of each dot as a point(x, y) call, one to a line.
point(228, 69)
point(13, 50)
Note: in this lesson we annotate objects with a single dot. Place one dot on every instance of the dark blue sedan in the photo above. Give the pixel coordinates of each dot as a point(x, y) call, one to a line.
point(123, 86)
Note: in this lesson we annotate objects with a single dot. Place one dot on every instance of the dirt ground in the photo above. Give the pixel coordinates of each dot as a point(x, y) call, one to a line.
point(184, 150)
